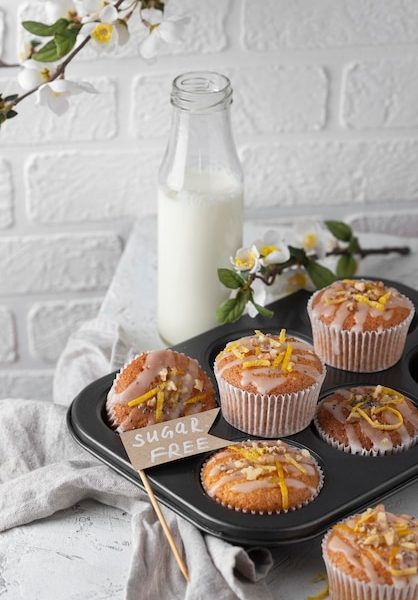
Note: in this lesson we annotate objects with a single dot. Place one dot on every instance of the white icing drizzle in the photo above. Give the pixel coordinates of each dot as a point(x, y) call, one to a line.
point(266, 378)
point(381, 440)
point(155, 362)
point(338, 313)
point(232, 468)
point(355, 543)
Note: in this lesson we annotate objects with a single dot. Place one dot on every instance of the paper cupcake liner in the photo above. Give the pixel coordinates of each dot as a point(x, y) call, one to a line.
point(260, 512)
point(359, 351)
point(363, 452)
point(268, 415)
point(344, 587)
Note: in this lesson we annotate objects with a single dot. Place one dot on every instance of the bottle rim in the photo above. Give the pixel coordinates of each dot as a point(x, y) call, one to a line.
point(201, 91)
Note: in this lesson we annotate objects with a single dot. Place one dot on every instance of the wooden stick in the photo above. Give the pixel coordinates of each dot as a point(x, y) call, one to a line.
point(166, 529)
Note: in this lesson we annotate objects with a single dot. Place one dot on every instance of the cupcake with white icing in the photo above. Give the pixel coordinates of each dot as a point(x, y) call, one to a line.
point(269, 384)
point(368, 420)
point(158, 386)
point(262, 477)
point(359, 325)
point(373, 556)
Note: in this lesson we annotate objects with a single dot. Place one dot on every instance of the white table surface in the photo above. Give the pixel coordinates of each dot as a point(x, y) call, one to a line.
point(83, 553)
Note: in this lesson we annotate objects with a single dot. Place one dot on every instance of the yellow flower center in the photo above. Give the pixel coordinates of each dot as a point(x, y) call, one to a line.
point(102, 33)
point(310, 241)
point(45, 74)
point(266, 250)
point(298, 280)
point(246, 262)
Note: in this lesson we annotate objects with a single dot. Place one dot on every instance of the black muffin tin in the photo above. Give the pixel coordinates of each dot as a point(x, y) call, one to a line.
point(350, 482)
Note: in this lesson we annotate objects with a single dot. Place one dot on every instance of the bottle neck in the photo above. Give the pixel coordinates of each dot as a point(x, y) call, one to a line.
point(200, 140)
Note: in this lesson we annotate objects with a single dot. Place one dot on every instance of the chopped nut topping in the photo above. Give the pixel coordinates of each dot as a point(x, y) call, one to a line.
point(163, 374)
point(198, 385)
point(151, 403)
point(171, 386)
point(251, 473)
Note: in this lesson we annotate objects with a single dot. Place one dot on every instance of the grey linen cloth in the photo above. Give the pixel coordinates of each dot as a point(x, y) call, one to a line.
point(42, 470)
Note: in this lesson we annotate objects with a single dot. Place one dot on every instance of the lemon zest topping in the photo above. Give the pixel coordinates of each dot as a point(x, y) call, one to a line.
point(383, 299)
point(278, 360)
point(195, 399)
point(372, 303)
point(282, 336)
point(396, 397)
point(393, 553)
point(147, 395)
point(236, 352)
point(293, 462)
point(159, 407)
point(324, 593)
point(282, 485)
point(344, 527)
point(249, 453)
point(403, 572)
point(286, 358)
point(248, 364)
point(382, 426)
point(257, 350)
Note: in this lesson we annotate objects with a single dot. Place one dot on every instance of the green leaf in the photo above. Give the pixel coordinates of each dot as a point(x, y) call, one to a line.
point(230, 279)
point(341, 231)
point(320, 275)
point(65, 41)
point(11, 114)
point(11, 98)
point(263, 311)
point(346, 266)
point(231, 310)
point(43, 30)
point(354, 245)
point(297, 252)
point(48, 53)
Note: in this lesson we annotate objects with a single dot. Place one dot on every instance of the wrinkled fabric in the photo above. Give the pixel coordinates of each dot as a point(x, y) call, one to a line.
point(43, 470)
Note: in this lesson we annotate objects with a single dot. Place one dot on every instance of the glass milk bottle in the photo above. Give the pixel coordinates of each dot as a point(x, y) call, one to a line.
point(200, 206)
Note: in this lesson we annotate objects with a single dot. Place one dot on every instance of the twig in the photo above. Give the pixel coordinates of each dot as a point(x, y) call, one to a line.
point(403, 250)
point(166, 529)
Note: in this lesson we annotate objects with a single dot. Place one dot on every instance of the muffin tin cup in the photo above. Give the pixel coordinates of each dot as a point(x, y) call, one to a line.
point(363, 452)
point(276, 512)
point(359, 351)
point(344, 587)
point(268, 415)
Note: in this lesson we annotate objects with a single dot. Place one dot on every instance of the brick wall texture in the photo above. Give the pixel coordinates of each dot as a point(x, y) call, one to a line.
point(325, 117)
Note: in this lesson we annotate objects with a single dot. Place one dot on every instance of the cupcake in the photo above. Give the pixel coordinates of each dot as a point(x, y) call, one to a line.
point(269, 384)
point(158, 386)
point(262, 477)
point(359, 325)
point(373, 556)
point(368, 420)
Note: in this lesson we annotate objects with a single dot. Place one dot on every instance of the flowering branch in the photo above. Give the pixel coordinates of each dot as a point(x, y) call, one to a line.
point(259, 267)
point(81, 22)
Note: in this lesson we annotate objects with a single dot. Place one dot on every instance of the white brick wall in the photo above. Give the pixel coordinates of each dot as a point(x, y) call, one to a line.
point(325, 116)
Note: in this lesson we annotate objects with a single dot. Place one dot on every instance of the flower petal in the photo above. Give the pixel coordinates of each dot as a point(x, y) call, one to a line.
point(29, 78)
point(149, 47)
point(108, 14)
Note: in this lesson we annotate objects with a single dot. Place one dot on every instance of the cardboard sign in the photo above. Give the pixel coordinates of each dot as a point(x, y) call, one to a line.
point(172, 440)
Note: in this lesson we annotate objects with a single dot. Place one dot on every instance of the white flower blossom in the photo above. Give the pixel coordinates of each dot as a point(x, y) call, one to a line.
point(313, 237)
point(259, 297)
point(271, 249)
point(106, 28)
point(296, 279)
point(162, 29)
point(247, 259)
point(55, 94)
point(33, 74)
